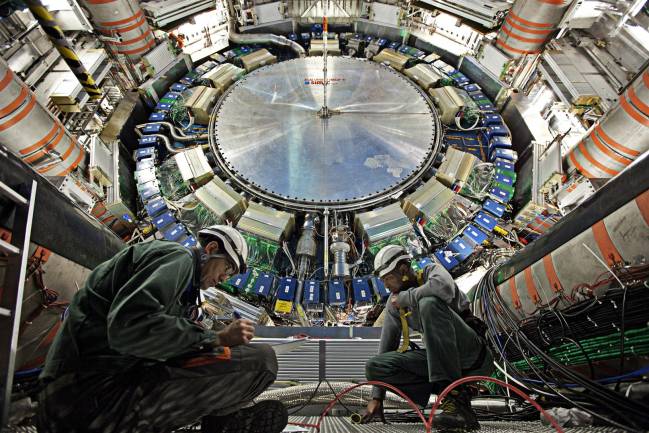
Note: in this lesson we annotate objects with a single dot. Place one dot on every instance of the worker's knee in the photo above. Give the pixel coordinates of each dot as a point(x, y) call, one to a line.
point(376, 368)
point(266, 356)
point(430, 304)
point(371, 369)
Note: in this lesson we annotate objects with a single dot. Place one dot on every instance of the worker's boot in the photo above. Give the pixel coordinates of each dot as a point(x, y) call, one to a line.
point(457, 414)
point(268, 416)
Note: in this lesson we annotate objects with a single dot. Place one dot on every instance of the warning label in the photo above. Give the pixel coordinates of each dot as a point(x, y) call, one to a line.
point(320, 81)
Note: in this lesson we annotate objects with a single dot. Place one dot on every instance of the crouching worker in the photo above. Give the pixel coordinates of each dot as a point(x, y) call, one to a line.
point(130, 356)
point(431, 303)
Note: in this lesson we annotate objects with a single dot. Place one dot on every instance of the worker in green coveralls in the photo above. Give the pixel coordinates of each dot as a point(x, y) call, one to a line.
point(429, 302)
point(131, 355)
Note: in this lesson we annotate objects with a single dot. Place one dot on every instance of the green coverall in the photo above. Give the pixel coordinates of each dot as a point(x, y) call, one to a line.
point(452, 349)
point(129, 359)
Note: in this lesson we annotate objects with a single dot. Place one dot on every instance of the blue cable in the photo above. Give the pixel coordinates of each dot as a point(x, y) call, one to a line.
point(28, 373)
point(603, 381)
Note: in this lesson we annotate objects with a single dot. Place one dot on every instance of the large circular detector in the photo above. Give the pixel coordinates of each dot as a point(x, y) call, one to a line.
point(268, 134)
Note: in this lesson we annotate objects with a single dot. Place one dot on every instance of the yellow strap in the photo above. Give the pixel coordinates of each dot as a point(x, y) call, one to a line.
point(404, 329)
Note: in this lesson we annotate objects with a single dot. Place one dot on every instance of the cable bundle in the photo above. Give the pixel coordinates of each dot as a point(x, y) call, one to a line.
point(553, 379)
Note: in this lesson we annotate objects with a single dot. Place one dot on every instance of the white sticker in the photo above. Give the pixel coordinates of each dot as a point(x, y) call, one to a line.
point(261, 289)
point(236, 283)
point(363, 293)
point(338, 296)
point(286, 289)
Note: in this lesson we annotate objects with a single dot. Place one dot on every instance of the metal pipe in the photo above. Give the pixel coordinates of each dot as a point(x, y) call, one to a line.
point(609, 228)
point(306, 247)
point(340, 251)
point(259, 38)
point(325, 35)
point(124, 26)
point(176, 134)
point(619, 137)
point(529, 25)
point(54, 32)
point(326, 243)
point(31, 132)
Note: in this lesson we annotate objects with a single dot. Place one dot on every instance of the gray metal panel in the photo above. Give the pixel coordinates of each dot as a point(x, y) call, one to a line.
point(266, 222)
point(382, 223)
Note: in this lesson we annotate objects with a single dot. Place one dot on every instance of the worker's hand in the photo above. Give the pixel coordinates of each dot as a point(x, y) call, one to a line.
point(394, 301)
point(236, 333)
point(374, 409)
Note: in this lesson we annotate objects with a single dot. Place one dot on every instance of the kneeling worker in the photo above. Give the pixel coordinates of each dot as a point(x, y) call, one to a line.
point(431, 303)
point(130, 356)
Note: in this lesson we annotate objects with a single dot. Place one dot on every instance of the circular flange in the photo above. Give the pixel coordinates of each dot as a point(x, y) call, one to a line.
point(270, 136)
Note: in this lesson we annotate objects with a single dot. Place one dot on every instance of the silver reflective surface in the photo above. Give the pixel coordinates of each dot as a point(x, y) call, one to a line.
point(268, 133)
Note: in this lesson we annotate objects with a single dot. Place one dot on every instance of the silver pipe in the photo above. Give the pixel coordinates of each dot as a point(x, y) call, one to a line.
point(326, 243)
point(177, 135)
point(306, 247)
point(260, 38)
point(167, 143)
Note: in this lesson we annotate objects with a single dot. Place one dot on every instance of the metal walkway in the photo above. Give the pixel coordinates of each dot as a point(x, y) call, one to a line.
point(343, 425)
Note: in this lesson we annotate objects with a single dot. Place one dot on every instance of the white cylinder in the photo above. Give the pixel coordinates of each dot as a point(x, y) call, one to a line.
point(31, 132)
point(123, 20)
point(619, 137)
point(529, 24)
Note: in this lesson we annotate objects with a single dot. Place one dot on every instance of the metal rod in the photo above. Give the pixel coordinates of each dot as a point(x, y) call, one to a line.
point(12, 298)
point(8, 248)
point(325, 32)
point(326, 243)
point(11, 194)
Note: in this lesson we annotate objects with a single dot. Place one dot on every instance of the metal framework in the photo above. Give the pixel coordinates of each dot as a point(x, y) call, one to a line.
point(21, 197)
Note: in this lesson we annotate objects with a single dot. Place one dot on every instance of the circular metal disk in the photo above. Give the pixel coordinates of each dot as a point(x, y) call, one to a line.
point(268, 133)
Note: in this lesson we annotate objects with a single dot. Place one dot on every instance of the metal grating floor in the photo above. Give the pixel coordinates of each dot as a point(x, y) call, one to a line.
point(343, 425)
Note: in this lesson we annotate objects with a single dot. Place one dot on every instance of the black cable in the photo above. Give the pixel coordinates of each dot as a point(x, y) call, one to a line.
point(621, 370)
point(309, 400)
point(583, 351)
point(340, 400)
point(505, 321)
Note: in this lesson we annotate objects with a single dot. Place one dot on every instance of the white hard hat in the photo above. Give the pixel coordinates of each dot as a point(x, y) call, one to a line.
point(388, 258)
point(234, 244)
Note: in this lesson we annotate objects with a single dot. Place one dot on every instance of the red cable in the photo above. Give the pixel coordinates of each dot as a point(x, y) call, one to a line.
point(333, 402)
point(520, 393)
point(429, 423)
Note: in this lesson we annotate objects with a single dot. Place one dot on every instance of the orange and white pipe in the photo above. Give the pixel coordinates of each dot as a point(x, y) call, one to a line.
point(124, 21)
point(619, 238)
point(617, 139)
point(31, 132)
point(529, 24)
